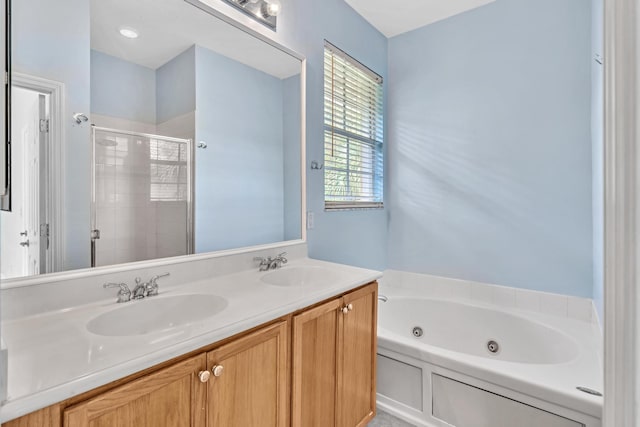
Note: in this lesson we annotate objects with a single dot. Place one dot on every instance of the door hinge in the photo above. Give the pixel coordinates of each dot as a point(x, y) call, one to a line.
point(44, 125)
point(44, 233)
point(95, 234)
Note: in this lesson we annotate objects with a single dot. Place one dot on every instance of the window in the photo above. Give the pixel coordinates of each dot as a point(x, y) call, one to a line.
point(168, 170)
point(353, 133)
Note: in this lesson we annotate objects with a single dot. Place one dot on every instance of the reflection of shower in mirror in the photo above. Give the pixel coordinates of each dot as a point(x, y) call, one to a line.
point(249, 171)
point(141, 196)
point(107, 141)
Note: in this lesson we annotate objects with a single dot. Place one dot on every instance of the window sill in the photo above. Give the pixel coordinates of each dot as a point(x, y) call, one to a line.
point(371, 207)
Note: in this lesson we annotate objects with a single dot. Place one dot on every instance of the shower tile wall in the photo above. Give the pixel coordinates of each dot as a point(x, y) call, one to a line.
point(141, 211)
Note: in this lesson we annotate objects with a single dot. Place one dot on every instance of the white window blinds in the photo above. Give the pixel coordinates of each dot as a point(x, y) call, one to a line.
point(353, 133)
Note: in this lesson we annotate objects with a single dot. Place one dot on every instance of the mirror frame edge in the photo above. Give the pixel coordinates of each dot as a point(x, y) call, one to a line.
point(5, 193)
point(117, 268)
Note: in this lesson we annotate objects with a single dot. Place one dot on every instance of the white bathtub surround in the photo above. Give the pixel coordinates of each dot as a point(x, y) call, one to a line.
point(499, 296)
point(548, 347)
point(45, 325)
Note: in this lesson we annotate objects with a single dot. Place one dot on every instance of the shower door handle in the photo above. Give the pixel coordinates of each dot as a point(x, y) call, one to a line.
point(95, 235)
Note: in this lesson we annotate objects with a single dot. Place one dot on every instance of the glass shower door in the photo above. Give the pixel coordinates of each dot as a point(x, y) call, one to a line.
point(141, 197)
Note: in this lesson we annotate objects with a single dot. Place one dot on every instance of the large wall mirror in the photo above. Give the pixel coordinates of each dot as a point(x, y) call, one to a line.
point(146, 129)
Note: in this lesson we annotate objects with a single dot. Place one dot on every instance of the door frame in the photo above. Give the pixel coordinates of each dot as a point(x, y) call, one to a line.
point(55, 150)
point(621, 245)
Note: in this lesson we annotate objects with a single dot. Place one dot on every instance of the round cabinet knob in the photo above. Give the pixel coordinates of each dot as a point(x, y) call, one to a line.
point(217, 370)
point(345, 309)
point(350, 307)
point(204, 376)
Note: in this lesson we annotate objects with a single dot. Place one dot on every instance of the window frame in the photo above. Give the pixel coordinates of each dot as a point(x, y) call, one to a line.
point(368, 145)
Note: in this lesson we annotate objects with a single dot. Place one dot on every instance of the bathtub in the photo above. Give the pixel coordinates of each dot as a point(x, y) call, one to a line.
point(448, 362)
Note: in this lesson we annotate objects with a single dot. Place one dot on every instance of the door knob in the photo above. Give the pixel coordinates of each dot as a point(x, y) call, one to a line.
point(204, 376)
point(349, 307)
point(25, 243)
point(345, 309)
point(217, 370)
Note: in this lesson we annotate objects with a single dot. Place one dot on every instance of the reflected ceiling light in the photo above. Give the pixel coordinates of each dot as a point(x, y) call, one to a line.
point(271, 7)
point(263, 11)
point(128, 32)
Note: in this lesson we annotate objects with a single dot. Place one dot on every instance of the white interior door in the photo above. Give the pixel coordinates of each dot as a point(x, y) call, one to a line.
point(20, 228)
point(34, 139)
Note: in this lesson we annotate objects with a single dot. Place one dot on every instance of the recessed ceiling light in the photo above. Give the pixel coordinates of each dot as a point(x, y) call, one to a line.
point(129, 32)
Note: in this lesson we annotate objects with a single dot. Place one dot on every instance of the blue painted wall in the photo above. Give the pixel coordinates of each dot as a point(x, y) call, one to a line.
point(351, 237)
point(239, 191)
point(176, 86)
point(59, 32)
point(490, 147)
point(291, 157)
point(240, 177)
point(597, 135)
point(122, 89)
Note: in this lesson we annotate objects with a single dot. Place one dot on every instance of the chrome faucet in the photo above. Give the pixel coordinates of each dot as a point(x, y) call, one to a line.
point(271, 263)
point(278, 261)
point(152, 285)
point(124, 294)
point(141, 290)
point(147, 289)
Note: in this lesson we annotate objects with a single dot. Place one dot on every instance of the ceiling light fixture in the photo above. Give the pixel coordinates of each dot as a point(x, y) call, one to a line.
point(128, 32)
point(271, 7)
point(263, 11)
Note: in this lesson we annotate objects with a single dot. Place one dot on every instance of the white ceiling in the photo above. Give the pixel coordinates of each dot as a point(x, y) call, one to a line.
point(169, 27)
point(396, 17)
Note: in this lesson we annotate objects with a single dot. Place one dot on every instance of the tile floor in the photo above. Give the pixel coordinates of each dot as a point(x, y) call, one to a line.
point(385, 420)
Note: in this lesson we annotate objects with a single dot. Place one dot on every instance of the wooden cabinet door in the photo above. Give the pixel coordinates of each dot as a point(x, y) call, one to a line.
point(357, 358)
point(251, 387)
point(171, 397)
point(315, 334)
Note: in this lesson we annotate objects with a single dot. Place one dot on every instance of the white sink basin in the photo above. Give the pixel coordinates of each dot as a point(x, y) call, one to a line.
point(156, 314)
point(301, 276)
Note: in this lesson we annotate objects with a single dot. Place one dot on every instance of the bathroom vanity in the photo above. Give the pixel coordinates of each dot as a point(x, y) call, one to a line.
point(222, 344)
point(309, 357)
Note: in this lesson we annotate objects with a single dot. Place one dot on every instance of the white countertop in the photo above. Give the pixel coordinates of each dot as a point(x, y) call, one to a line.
point(52, 356)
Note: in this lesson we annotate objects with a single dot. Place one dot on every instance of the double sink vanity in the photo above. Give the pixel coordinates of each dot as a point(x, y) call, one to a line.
point(208, 335)
point(221, 344)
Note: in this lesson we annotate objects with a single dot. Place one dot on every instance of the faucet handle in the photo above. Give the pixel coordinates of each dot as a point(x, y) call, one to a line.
point(152, 285)
point(158, 276)
point(264, 262)
point(124, 294)
point(281, 258)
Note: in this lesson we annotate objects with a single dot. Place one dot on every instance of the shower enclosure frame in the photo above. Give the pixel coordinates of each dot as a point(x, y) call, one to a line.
point(190, 183)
